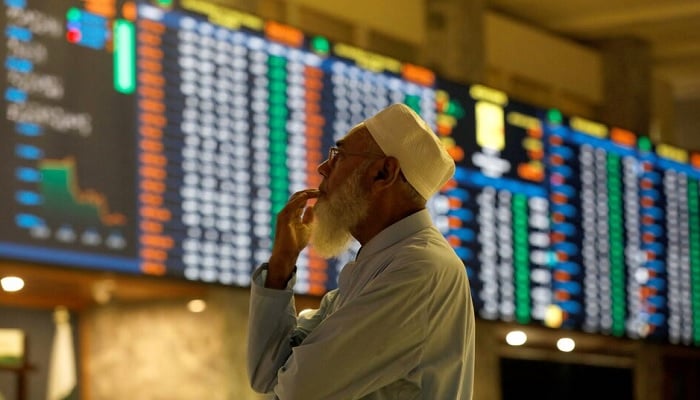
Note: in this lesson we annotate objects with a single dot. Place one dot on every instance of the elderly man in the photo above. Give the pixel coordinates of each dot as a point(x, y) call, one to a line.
point(401, 323)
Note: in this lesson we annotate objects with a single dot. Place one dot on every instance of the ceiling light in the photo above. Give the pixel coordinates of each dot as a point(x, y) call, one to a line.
point(197, 305)
point(516, 338)
point(566, 344)
point(12, 283)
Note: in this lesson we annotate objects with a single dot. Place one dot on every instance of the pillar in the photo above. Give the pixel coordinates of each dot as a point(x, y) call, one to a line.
point(454, 45)
point(627, 84)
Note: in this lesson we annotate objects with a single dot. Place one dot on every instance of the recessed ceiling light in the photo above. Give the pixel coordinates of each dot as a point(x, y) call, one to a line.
point(197, 305)
point(12, 283)
point(566, 344)
point(516, 338)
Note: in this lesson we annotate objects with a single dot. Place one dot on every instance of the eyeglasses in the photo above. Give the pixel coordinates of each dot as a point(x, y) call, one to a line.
point(334, 151)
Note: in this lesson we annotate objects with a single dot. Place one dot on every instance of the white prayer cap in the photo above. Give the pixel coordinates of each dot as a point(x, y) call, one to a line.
point(402, 134)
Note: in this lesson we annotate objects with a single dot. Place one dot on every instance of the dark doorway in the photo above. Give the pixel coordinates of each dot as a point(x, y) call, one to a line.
point(546, 380)
point(681, 377)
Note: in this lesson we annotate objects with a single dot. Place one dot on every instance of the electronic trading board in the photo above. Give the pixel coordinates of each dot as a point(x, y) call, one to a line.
point(162, 137)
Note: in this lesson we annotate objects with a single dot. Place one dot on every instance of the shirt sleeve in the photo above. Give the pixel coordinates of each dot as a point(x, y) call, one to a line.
point(271, 323)
point(367, 343)
point(274, 328)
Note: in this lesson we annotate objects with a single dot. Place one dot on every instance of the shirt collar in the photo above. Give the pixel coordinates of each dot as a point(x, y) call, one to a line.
point(395, 233)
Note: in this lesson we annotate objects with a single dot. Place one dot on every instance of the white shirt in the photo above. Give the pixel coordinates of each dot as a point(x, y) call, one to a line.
point(399, 326)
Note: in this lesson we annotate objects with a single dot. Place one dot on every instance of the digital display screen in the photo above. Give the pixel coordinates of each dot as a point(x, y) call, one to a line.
point(162, 137)
point(624, 232)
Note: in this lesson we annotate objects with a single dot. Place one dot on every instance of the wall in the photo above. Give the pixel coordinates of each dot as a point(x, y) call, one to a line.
point(161, 351)
point(557, 65)
point(404, 19)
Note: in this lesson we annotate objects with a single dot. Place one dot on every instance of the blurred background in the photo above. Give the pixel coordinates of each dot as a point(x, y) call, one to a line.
point(148, 145)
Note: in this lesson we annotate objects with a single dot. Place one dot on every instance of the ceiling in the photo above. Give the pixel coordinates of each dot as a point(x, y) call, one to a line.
point(671, 27)
point(48, 286)
point(77, 289)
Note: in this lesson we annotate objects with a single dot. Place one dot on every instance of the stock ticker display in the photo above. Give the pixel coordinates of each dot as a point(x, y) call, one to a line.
point(162, 137)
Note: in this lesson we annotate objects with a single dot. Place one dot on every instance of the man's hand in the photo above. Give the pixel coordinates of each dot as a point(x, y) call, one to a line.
point(291, 236)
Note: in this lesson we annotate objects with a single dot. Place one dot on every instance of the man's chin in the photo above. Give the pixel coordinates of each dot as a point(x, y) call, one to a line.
point(339, 243)
point(335, 214)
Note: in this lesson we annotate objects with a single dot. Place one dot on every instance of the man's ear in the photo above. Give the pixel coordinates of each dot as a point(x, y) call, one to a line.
point(387, 172)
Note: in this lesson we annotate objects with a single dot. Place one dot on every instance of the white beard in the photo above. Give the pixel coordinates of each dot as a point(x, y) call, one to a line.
point(335, 215)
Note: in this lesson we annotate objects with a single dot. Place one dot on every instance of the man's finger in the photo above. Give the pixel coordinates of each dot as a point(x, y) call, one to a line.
point(308, 215)
point(300, 198)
